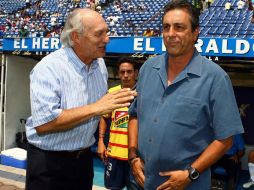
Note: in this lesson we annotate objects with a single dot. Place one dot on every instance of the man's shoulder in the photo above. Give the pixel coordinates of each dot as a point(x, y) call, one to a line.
point(115, 88)
point(207, 66)
point(53, 59)
point(211, 67)
point(155, 61)
point(157, 58)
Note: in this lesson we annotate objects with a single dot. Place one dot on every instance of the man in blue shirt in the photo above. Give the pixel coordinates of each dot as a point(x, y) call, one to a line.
point(67, 90)
point(185, 113)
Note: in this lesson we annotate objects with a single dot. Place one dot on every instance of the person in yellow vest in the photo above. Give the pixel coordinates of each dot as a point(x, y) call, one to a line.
point(115, 155)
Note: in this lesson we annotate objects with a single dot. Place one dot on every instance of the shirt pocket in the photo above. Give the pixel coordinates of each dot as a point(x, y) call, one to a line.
point(187, 111)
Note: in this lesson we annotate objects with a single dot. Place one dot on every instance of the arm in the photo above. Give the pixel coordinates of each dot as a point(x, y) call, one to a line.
point(132, 137)
point(179, 179)
point(239, 143)
point(212, 153)
point(70, 118)
point(101, 146)
point(237, 156)
point(136, 164)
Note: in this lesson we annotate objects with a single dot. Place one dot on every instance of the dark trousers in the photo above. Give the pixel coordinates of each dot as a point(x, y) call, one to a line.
point(59, 170)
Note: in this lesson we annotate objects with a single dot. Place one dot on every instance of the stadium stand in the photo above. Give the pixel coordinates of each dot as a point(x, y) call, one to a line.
point(218, 22)
point(12, 6)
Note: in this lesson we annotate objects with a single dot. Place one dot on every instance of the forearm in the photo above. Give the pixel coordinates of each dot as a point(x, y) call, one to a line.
point(68, 119)
point(212, 153)
point(102, 129)
point(101, 150)
point(133, 137)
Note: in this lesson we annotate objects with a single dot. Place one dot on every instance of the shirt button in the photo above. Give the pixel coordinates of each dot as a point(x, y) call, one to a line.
point(155, 120)
point(149, 140)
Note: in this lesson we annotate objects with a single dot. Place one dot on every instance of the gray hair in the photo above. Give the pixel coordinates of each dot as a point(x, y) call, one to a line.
point(74, 22)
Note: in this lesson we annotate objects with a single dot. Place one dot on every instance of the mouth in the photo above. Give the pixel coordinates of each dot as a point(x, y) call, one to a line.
point(102, 48)
point(173, 43)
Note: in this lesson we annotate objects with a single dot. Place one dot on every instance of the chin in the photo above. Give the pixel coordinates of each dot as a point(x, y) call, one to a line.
point(102, 54)
point(174, 53)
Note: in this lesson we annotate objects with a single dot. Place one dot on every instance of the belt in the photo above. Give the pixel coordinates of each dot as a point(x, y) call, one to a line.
point(69, 154)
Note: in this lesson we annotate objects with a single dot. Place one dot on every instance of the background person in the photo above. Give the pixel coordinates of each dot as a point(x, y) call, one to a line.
point(115, 156)
point(67, 91)
point(250, 183)
point(231, 161)
point(180, 122)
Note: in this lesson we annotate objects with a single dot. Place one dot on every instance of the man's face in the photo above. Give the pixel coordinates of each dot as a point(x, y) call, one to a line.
point(92, 44)
point(178, 36)
point(127, 75)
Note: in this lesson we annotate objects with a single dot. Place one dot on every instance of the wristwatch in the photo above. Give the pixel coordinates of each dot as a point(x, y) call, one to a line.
point(193, 173)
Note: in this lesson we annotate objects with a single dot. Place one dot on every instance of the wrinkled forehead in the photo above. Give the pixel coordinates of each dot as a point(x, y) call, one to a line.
point(96, 23)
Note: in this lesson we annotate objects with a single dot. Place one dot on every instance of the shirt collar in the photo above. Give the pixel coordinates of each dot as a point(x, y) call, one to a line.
point(193, 67)
point(73, 58)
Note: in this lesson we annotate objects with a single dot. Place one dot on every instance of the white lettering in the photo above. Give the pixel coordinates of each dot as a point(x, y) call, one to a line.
point(54, 43)
point(45, 43)
point(138, 42)
point(148, 45)
point(225, 47)
point(17, 43)
point(23, 43)
point(239, 49)
point(36, 43)
point(163, 48)
point(198, 45)
point(212, 46)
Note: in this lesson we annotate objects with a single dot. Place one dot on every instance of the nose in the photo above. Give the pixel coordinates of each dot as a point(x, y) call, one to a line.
point(125, 74)
point(106, 39)
point(171, 31)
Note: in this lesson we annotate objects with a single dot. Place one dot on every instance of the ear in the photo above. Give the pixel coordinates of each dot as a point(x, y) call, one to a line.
point(75, 37)
point(196, 33)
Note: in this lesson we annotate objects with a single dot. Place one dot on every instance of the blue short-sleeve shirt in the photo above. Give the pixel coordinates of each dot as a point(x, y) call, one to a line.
point(238, 145)
point(178, 121)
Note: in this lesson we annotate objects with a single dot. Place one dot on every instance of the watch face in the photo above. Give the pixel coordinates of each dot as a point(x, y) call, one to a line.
point(194, 174)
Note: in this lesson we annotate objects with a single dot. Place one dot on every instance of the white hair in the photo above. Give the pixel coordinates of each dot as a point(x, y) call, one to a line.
point(74, 22)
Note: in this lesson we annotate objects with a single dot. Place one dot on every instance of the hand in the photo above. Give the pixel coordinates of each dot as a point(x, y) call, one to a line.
point(102, 151)
point(137, 167)
point(177, 180)
point(115, 100)
point(235, 158)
